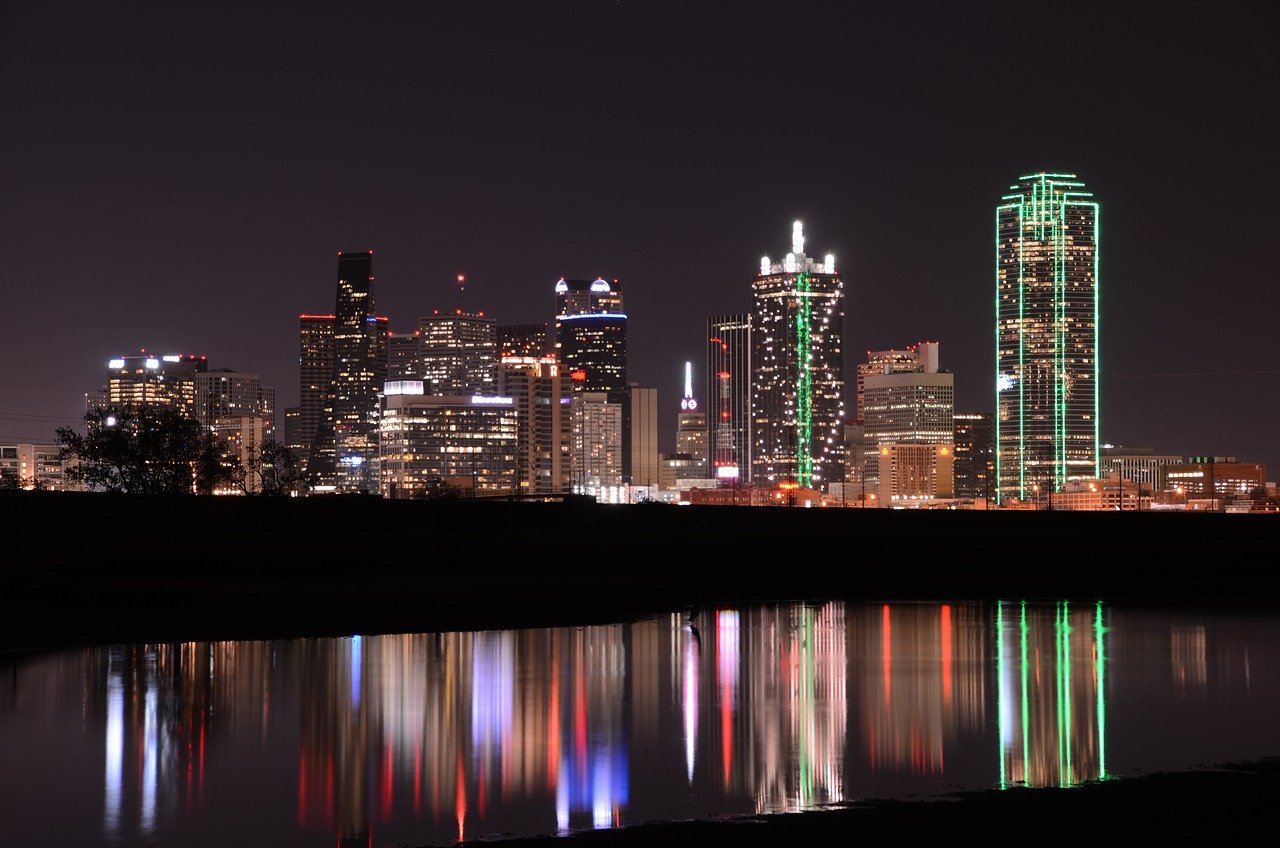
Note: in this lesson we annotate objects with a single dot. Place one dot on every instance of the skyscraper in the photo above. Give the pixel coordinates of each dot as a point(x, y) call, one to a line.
point(797, 404)
point(691, 423)
point(315, 373)
point(728, 397)
point(591, 336)
point(904, 401)
point(973, 459)
point(591, 344)
point(149, 379)
point(223, 393)
point(1046, 334)
point(458, 353)
point(345, 452)
point(523, 340)
point(542, 422)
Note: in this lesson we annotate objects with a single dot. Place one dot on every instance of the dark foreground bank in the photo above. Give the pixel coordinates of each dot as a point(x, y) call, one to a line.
point(95, 568)
point(1220, 805)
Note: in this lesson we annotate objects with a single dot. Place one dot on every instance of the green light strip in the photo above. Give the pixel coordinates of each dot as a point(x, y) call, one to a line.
point(1101, 684)
point(804, 384)
point(1022, 435)
point(1097, 347)
point(1066, 688)
point(997, 415)
point(1026, 718)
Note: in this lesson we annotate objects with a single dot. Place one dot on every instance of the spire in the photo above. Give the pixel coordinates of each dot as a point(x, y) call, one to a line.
point(688, 403)
point(797, 238)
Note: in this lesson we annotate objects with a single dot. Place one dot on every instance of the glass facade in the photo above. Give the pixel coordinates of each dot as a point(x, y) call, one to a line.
point(728, 397)
point(1046, 334)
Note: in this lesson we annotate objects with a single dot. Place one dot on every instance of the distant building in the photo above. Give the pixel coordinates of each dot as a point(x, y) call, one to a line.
point(154, 380)
point(315, 373)
point(680, 466)
point(1216, 477)
point(467, 442)
point(32, 466)
point(1111, 493)
point(1046, 298)
point(458, 353)
point(223, 393)
point(532, 340)
point(404, 356)
point(596, 453)
point(641, 461)
point(243, 437)
point(916, 472)
point(974, 457)
point(728, 397)
point(920, 358)
point(1142, 465)
point(855, 462)
point(691, 426)
point(344, 453)
point(907, 407)
point(543, 422)
point(797, 363)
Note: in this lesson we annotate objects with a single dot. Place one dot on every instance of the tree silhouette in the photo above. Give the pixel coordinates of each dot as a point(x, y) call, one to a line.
point(143, 450)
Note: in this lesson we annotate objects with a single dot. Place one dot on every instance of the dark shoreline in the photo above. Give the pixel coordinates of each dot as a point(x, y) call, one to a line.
point(1229, 801)
point(101, 569)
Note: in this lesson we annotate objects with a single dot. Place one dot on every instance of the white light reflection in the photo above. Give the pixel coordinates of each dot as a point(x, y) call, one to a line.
point(115, 743)
point(150, 745)
point(690, 699)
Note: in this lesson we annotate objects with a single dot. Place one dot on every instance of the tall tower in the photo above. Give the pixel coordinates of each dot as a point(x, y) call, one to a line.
point(797, 404)
point(1046, 335)
point(457, 353)
point(315, 373)
point(591, 336)
point(345, 452)
point(729, 397)
point(691, 424)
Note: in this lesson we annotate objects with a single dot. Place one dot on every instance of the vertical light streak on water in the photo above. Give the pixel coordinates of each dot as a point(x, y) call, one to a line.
point(601, 791)
point(690, 702)
point(150, 743)
point(1100, 651)
point(114, 776)
point(562, 799)
point(727, 671)
point(1026, 712)
point(1003, 705)
point(355, 671)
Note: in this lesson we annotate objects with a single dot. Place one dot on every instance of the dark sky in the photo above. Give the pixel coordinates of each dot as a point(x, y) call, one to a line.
point(180, 179)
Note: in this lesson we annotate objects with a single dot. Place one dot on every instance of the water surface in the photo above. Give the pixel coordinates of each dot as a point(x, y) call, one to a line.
point(426, 739)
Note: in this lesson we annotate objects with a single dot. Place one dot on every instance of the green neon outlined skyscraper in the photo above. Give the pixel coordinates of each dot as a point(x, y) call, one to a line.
point(797, 370)
point(1046, 335)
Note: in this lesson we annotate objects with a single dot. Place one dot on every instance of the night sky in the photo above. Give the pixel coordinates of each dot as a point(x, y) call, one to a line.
point(180, 179)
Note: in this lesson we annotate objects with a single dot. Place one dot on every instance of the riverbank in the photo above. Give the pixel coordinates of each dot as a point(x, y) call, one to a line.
point(1219, 805)
point(99, 569)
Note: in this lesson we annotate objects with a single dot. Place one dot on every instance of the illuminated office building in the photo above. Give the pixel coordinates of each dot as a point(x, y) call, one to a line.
point(224, 393)
point(1216, 477)
point(914, 359)
point(728, 397)
point(1141, 465)
point(147, 379)
point(404, 356)
point(344, 453)
point(797, 406)
point(315, 372)
point(464, 441)
point(691, 426)
point(523, 340)
point(1046, 334)
point(914, 472)
point(458, 353)
point(542, 422)
point(31, 466)
point(641, 460)
point(901, 407)
point(974, 464)
point(596, 452)
point(591, 344)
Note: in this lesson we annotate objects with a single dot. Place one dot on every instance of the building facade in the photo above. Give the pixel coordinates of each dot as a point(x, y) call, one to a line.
point(797, 385)
point(458, 353)
point(1046, 297)
point(146, 379)
point(1141, 465)
point(223, 393)
point(914, 472)
point(728, 397)
point(691, 425)
point(974, 460)
point(915, 359)
point(543, 423)
point(1216, 477)
point(596, 452)
point(641, 461)
point(524, 340)
point(315, 374)
point(344, 455)
point(906, 407)
point(32, 466)
point(466, 442)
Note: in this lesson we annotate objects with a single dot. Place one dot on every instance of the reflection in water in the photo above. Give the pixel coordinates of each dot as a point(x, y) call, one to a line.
point(1052, 676)
point(448, 736)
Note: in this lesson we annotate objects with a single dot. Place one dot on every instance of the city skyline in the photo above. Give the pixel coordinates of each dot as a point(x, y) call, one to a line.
point(174, 227)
